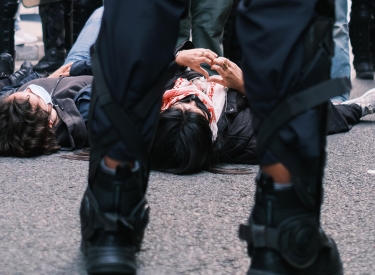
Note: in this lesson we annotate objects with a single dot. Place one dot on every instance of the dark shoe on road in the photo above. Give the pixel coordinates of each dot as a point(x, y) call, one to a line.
point(285, 238)
point(363, 68)
point(114, 215)
point(6, 65)
point(25, 70)
point(52, 60)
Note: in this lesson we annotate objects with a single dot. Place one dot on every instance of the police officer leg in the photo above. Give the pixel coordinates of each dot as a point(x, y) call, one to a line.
point(8, 10)
point(53, 26)
point(124, 110)
point(360, 37)
point(82, 10)
point(288, 58)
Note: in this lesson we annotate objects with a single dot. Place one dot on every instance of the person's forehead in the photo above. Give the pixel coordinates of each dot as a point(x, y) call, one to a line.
point(188, 106)
point(33, 99)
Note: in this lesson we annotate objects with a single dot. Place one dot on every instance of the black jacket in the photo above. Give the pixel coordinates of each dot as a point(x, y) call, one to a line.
point(71, 132)
point(235, 129)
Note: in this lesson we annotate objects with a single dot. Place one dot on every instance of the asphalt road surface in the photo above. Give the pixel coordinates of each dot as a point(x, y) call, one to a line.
point(194, 219)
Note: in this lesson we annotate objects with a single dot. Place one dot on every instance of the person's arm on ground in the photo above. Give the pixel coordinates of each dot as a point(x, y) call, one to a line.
point(62, 71)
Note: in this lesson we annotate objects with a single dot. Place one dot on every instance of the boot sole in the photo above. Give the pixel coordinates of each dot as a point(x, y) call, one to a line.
point(110, 260)
point(365, 75)
point(260, 272)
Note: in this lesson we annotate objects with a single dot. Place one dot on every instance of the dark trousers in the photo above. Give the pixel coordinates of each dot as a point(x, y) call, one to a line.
point(342, 118)
point(136, 43)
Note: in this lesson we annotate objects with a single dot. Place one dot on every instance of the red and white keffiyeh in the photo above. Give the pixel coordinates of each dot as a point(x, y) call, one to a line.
point(213, 96)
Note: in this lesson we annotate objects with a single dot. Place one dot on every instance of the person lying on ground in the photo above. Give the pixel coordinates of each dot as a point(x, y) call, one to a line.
point(45, 115)
point(185, 143)
point(187, 139)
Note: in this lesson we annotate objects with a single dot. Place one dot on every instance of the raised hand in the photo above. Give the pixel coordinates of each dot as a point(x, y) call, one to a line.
point(194, 58)
point(230, 74)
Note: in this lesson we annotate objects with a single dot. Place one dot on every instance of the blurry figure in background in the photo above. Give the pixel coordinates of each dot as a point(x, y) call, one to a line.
point(232, 49)
point(62, 22)
point(82, 10)
point(56, 33)
point(361, 31)
point(8, 10)
point(20, 37)
point(205, 22)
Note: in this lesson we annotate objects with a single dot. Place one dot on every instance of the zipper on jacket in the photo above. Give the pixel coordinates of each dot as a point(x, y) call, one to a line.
point(53, 91)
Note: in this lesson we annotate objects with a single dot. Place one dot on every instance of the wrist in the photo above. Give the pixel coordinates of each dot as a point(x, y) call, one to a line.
point(177, 59)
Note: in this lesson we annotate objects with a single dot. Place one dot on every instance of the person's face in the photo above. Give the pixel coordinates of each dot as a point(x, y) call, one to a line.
point(37, 102)
point(190, 106)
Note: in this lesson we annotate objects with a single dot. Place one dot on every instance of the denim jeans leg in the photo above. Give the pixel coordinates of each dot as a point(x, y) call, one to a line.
point(87, 37)
point(17, 20)
point(341, 61)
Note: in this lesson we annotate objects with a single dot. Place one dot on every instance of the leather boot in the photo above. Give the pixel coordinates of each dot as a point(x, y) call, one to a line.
point(359, 32)
point(53, 25)
point(53, 60)
point(114, 215)
point(25, 70)
point(285, 237)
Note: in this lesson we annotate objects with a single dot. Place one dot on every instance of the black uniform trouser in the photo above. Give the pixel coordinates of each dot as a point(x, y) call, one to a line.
point(136, 44)
point(8, 10)
point(63, 21)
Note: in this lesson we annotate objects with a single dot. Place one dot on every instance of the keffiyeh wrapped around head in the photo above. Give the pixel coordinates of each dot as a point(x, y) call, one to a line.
point(212, 95)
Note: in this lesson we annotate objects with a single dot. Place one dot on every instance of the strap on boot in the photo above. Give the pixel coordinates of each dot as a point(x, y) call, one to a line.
point(94, 219)
point(298, 239)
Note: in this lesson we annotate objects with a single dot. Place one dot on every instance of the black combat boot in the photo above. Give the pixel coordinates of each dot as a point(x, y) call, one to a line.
point(25, 70)
point(360, 32)
point(52, 60)
point(53, 25)
point(114, 215)
point(284, 237)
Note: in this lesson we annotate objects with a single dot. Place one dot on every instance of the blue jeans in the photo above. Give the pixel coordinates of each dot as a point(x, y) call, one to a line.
point(17, 20)
point(87, 37)
point(341, 61)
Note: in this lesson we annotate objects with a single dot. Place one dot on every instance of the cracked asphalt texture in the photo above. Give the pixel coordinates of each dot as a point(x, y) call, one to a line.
point(194, 219)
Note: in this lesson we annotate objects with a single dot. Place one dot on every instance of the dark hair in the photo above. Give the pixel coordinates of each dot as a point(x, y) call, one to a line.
point(24, 130)
point(183, 143)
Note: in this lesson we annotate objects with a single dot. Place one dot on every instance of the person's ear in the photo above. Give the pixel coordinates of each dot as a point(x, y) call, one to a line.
point(50, 123)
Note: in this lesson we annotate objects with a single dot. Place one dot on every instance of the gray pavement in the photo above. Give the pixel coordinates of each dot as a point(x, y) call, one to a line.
point(194, 219)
